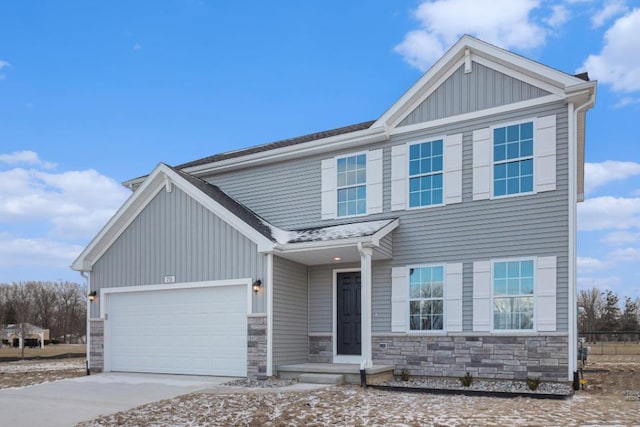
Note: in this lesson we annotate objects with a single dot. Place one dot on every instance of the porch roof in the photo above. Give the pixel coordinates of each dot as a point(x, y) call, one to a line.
point(337, 243)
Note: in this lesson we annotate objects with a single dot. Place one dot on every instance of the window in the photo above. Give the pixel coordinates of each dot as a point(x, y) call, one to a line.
point(513, 295)
point(426, 298)
point(352, 189)
point(513, 159)
point(425, 174)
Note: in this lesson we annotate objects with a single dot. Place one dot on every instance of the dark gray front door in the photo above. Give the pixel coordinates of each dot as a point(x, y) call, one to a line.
point(348, 309)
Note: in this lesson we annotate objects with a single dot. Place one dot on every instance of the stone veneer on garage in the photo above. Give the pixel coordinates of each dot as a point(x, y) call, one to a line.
point(257, 346)
point(96, 345)
point(499, 357)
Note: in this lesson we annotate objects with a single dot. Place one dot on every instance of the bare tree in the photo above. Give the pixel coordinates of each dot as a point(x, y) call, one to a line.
point(20, 298)
point(592, 304)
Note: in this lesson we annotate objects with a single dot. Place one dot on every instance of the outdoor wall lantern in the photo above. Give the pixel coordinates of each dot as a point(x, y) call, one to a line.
point(257, 285)
point(92, 295)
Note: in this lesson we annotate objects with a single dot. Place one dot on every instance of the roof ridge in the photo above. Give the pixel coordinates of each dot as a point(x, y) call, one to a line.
point(278, 144)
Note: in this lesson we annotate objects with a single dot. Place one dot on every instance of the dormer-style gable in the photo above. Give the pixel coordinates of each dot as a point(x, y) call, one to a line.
point(475, 76)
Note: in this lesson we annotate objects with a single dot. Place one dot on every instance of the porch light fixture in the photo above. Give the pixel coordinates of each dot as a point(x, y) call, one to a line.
point(257, 285)
point(336, 258)
point(92, 295)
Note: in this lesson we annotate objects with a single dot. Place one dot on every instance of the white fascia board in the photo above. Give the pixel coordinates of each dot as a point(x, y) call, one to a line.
point(154, 183)
point(477, 114)
point(521, 63)
point(375, 239)
point(122, 218)
point(454, 55)
point(338, 142)
point(333, 143)
point(264, 244)
point(547, 78)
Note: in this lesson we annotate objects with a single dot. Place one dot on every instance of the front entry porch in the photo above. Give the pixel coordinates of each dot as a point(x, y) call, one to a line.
point(335, 373)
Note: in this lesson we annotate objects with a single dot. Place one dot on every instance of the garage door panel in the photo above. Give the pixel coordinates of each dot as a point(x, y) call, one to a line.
point(185, 331)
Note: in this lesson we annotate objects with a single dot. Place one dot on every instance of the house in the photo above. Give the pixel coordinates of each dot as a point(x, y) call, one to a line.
point(23, 335)
point(440, 238)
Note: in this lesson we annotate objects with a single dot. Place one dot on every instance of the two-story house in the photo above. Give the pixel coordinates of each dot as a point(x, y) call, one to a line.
point(440, 238)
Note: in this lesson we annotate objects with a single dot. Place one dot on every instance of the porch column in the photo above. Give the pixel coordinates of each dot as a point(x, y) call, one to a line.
point(365, 305)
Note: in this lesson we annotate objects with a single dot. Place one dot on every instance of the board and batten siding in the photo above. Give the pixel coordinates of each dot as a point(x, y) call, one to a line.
point(465, 93)
point(290, 312)
point(174, 235)
point(288, 194)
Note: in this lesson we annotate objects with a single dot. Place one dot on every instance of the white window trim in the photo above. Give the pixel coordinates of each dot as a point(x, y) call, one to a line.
point(341, 358)
point(442, 331)
point(493, 162)
point(366, 204)
point(535, 296)
point(408, 206)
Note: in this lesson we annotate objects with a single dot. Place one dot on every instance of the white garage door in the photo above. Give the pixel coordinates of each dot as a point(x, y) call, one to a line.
point(199, 331)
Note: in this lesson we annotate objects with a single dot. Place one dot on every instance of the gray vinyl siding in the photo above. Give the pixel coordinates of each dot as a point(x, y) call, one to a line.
point(290, 312)
point(464, 93)
point(175, 235)
point(535, 225)
point(386, 246)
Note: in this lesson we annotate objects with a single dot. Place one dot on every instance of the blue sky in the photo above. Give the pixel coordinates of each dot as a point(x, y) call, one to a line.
point(95, 93)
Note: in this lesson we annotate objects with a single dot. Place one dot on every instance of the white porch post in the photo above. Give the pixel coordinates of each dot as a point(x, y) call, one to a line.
point(41, 339)
point(365, 305)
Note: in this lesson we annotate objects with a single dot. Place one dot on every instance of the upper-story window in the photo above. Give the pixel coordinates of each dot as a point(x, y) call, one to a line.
point(513, 159)
point(426, 298)
point(425, 173)
point(352, 185)
point(513, 295)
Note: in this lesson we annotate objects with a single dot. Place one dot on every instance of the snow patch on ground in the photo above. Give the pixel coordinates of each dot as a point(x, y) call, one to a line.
point(29, 366)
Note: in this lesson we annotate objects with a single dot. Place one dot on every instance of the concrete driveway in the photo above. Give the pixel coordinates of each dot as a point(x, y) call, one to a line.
point(67, 402)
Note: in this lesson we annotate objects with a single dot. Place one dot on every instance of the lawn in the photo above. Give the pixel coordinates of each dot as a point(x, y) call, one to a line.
point(78, 350)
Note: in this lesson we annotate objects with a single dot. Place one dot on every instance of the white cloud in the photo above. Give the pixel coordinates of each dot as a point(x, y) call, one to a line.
point(507, 23)
point(607, 212)
point(587, 264)
point(625, 255)
point(71, 205)
point(618, 63)
point(599, 174)
point(559, 16)
point(610, 9)
point(17, 252)
point(25, 157)
point(626, 101)
point(3, 64)
point(602, 283)
point(617, 238)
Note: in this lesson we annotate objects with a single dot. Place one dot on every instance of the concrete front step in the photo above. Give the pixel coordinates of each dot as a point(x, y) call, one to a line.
point(350, 371)
point(321, 378)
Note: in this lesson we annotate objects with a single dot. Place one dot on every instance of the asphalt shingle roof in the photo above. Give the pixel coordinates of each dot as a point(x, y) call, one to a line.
point(277, 144)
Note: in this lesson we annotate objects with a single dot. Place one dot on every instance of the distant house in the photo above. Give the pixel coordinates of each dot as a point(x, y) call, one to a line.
point(24, 334)
point(440, 238)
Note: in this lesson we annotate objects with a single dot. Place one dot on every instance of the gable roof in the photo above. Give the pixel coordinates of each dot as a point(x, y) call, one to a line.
point(234, 213)
point(470, 49)
point(266, 236)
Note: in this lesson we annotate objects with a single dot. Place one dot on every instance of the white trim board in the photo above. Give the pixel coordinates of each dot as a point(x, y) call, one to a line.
point(156, 182)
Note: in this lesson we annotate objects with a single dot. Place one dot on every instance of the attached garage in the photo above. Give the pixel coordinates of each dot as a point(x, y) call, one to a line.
point(190, 328)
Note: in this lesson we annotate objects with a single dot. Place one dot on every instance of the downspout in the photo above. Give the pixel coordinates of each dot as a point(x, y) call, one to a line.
point(88, 357)
point(573, 163)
